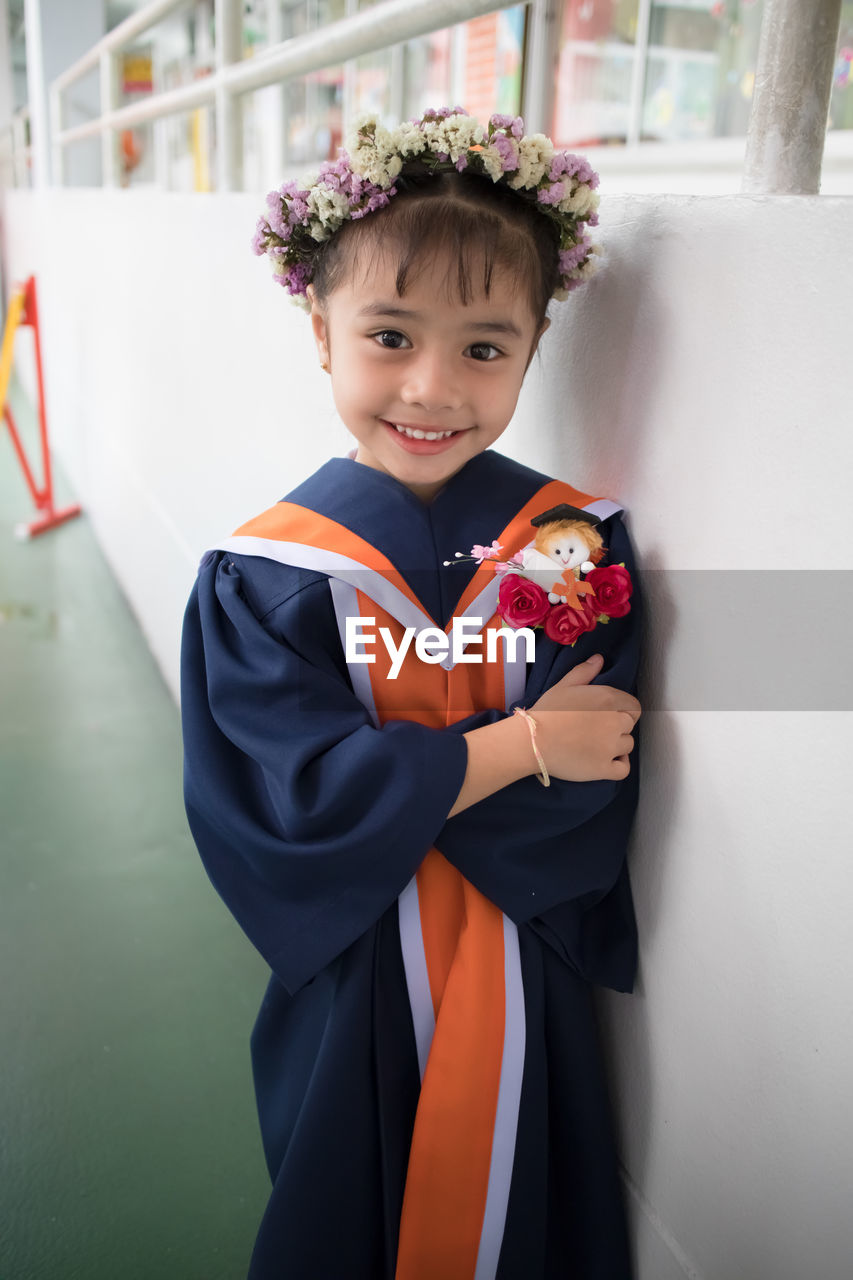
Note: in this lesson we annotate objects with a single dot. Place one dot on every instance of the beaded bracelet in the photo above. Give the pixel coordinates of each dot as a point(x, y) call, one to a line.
point(543, 776)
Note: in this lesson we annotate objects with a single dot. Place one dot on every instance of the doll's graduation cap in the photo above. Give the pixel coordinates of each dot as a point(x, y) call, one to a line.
point(563, 512)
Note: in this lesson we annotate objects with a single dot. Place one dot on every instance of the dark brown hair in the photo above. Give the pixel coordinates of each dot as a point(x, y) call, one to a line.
point(479, 224)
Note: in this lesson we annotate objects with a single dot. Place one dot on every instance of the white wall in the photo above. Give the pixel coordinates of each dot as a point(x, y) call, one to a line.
point(703, 379)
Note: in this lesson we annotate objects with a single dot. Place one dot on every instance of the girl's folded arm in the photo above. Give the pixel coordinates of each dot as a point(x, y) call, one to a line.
point(526, 847)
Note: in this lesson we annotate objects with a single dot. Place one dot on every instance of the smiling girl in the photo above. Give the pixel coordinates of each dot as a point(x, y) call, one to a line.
point(429, 1085)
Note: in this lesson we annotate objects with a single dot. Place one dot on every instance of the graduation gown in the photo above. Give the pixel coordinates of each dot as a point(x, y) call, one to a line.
point(311, 822)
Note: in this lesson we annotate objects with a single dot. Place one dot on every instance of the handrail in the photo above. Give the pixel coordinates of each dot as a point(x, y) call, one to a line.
point(388, 23)
point(120, 35)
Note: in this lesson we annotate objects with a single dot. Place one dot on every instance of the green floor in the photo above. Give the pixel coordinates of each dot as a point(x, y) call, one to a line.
point(128, 1140)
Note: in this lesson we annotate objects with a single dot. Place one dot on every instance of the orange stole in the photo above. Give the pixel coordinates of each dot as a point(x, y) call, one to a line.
point(450, 1158)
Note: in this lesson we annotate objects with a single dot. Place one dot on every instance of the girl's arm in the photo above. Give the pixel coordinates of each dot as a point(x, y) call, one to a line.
point(583, 734)
point(530, 849)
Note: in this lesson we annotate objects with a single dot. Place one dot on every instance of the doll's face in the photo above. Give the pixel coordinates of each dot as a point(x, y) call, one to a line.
point(423, 382)
point(566, 546)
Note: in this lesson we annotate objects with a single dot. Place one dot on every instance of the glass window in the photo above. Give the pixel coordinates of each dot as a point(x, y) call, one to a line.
point(298, 123)
point(477, 65)
point(430, 67)
point(595, 72)
point(700, 69)
point(688, 75)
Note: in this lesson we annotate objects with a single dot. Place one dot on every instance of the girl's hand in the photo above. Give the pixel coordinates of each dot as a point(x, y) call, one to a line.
point(584, 730)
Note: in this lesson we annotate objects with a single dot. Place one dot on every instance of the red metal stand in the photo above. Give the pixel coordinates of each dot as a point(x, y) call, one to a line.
point(50, 516)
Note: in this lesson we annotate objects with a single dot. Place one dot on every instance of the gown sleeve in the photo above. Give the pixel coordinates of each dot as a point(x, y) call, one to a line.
point(555, 857)
point(309, 820)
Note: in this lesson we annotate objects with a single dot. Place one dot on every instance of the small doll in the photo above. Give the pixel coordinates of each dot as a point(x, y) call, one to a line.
point(565, 537)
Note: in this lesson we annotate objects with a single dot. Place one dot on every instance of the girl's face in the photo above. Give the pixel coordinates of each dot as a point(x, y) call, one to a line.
point(423, 382)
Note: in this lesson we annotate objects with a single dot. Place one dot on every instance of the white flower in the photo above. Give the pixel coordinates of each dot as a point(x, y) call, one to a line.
point(583, 201)
point(318, 231)
point(460, 133)
point(453, 136)
point(373, 155)
point(534, 159)
point(330, 206)
point(366, 123)
point(407, 139)
point(589, 267)
point(492, 163)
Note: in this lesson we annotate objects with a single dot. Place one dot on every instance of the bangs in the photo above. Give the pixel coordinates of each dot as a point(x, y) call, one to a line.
point(461, 225)
point(473, 242)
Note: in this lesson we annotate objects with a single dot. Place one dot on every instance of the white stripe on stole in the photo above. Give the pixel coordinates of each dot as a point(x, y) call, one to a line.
point(344, 568)
point(603, 508)
point(506, 1115)
point(417, 973)
point(345, 601)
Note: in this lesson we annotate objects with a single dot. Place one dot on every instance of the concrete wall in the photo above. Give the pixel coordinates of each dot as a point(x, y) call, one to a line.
point(703, 380)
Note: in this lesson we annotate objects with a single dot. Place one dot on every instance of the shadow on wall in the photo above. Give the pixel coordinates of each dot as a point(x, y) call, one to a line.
point(609, 337)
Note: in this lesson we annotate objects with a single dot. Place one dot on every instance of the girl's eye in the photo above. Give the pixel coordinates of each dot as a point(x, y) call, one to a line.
point(483, 351)
point(392, 339)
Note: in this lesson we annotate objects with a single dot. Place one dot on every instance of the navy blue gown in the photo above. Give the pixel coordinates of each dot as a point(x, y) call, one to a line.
point(310, 822)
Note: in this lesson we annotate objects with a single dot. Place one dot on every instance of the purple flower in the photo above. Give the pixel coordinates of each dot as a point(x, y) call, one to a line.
point(277, 220)
point(297, 279)
point(259, 239)
point(514, 124)
point(299, 213)
point(507, 152)
point(441, 113)
point(462, 163)
point(551, 195)
point(576, 166)
point(571, 258)
point(377, 201)
point(559, 166)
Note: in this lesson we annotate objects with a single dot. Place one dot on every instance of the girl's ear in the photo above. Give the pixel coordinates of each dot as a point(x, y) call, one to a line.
point(318, 324)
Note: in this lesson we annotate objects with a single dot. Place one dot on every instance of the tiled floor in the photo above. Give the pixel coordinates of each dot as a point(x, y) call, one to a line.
point(128, 1140)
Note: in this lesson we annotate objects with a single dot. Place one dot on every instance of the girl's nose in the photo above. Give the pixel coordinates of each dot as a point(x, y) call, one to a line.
point(430, 384)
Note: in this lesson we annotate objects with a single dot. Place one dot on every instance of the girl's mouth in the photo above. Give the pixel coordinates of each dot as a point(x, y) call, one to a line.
point(420, 439)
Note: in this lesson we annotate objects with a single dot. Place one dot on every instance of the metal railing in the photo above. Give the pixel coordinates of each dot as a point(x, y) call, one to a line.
point(15, 149)
point(387, 24)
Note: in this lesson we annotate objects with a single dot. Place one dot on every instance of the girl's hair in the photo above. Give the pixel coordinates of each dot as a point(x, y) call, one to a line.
point(480, 224)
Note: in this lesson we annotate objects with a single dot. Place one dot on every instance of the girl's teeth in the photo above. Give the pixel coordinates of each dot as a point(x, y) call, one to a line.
point(414, 433)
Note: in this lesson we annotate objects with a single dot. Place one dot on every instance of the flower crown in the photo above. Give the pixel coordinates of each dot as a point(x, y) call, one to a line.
point(300, 217)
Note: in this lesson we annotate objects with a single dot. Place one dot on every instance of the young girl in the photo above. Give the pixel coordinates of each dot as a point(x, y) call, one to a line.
point(365, 760)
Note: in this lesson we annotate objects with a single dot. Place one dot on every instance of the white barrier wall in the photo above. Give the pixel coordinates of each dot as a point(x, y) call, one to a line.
point(702, 379)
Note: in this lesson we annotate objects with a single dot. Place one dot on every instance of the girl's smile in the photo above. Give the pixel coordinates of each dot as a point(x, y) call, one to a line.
point(423, 382)
point(422, 440)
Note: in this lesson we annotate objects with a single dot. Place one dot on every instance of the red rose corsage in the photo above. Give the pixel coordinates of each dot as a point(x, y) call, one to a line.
point(557, 582)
